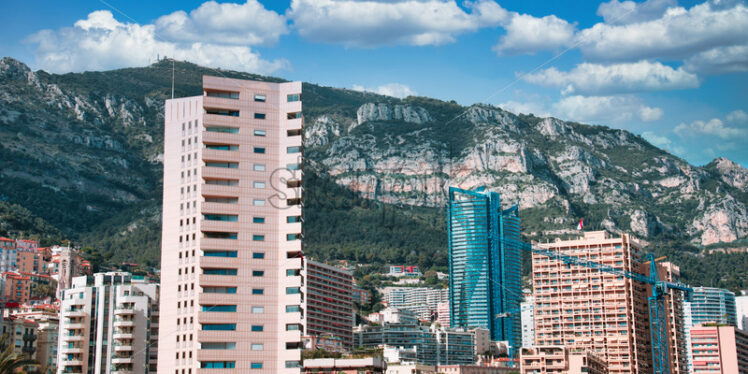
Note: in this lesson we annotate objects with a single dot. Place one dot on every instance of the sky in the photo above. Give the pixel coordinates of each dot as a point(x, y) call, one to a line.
point(674, 72)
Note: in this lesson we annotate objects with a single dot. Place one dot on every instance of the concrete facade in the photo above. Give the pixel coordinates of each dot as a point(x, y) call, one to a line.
point(527, 310)
point(329, 302)
point(231, 258)
point(423, 301)
point(719, 349)
point(590, 310)
point(109, 324)
point(560, 360)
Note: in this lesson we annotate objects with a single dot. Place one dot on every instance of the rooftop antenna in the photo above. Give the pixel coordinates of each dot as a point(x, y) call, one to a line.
point(172, 79)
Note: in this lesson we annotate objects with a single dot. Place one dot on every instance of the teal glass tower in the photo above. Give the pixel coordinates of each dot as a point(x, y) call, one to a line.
point(484, 265)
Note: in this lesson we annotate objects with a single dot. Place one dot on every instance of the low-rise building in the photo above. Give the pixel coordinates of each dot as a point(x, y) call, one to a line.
point(369, 365)
point(360, 295)
point(474, 369)
point(328, 343)
point(17, 287)
point(719, 349)
point(410, 368)
point(422, 301)
point(433, 345)
point(404, 271)
point(21, 333)
point(561, 360)
point(47, 320)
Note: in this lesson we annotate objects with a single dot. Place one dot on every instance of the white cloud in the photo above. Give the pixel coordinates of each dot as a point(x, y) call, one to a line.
point(101, 42)
point(713, 127)
point(616, 12)
point(243, 24)
point(664, 142)
point(390, 89)
point(588, 78)
point(374, 23)
point(528, 34)
point(678, 34)
point(605, 109)
point(737, 116)
point(720, 60)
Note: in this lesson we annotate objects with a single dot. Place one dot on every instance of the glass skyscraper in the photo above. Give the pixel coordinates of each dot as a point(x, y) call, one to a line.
point(713, 305)
point(484, 265)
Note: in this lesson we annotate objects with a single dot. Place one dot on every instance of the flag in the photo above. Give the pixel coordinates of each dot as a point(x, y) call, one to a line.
point(580, 226)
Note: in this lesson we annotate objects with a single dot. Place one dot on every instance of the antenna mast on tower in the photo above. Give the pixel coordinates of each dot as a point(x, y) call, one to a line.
point(172, 79)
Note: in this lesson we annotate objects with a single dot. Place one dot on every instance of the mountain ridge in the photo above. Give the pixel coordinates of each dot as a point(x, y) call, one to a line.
point(84, 149)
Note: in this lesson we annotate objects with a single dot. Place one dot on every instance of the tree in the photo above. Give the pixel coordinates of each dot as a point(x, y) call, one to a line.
point(10, 361)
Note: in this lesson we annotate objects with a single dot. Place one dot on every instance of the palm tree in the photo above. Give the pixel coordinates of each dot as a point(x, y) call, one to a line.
point(10, 361)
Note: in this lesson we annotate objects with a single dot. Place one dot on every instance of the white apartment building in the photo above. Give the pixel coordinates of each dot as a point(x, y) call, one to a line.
point(109, 324)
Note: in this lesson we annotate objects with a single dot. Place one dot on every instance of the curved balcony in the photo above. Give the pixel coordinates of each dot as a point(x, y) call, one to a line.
point(122, 348)
point(124, 311)
point(124, 323)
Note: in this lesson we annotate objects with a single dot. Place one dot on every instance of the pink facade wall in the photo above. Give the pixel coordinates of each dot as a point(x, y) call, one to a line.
point(259, 193)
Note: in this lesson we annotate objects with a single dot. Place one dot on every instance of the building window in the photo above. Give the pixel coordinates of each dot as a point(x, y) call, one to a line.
point(228, 290)
point(293, 327)
point(258, 291)
point(295, 149)
point(293, 98)
point(291, 237)
point(258, 202)
point(260, 98)
point(225, 165)
point(293, 290)
point(259, 115)
point(258, 309)
point(258, 219)
point(257, 328)
point(255, 365)
point(219, 271)
point(258, 238)
point(220, 235)
point(260, 132)
point(218, 345)
point(293, 272)
point(293, 166)
point(258, 273)
point(217, 364)
point(293, 219)
point(221, 217)
point(258, 184)
point(219, 327)
point(293, 115)
point(226, 129)
point(258, 167)
point(293, 364)
point(259, 149)
point(213, 253)
point(257, 347)
point(222, 147)
point(293, 308)
point(258, 255)
point(223, 95)
point(223, 112)
point(219, 308)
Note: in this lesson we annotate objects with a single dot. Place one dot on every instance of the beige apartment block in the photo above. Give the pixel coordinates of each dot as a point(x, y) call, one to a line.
point(719, 349)
point(560, 360)
point(590, 310)
point(231, 259)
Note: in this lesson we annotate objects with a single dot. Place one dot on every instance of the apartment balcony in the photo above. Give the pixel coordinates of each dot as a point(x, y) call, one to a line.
point(225, 226)
point(124, 323)
point(220, 102)
point(73, 338)
point(123, 348)
point(74, 326)
point(122, 336)
point(218, 280)
point(74, 362)
point(220, 155)
point(220, 173)
point(67, 350)
point(217, 317)
point(219, 120)
point(122, 371)
point(219, 208)
point(122, 311)
point(121, 360)
point(220, 190)
point(74, 314)
point(217, 262)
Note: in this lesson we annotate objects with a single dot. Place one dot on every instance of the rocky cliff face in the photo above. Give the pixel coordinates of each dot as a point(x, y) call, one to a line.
point(403, 154)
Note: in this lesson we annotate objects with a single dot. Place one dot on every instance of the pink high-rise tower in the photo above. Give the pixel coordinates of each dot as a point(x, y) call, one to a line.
point(231, 258)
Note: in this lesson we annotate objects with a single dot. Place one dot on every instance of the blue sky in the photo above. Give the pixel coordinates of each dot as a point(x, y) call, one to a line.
point(675, 72)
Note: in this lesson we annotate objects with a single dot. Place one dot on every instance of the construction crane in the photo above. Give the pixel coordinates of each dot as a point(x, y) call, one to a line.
point(657, 318)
